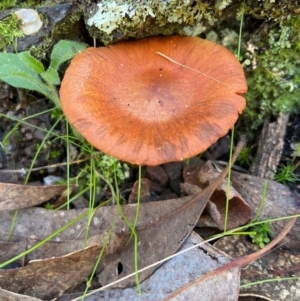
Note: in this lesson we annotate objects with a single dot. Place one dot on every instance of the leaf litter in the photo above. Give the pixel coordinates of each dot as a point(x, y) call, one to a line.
point(280, 201)
point(170, 276)
point(17, 196)
point(176, 217)
point(279, 264)
point(239, 212)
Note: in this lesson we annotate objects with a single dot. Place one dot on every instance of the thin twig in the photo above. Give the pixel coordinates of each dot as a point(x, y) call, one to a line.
point(177, 63)
point(26, 170)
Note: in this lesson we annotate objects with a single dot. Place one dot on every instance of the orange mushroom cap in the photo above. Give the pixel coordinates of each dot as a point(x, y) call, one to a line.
point(138, 106)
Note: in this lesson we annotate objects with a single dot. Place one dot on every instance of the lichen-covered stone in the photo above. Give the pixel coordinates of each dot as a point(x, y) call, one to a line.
point(114, 20)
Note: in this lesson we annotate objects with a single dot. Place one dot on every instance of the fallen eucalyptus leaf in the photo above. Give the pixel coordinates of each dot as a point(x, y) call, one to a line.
point(178, 271)
point(9, 296)
point(16, 196)
point(239, 212)
point(50, 278)
point(171, 220)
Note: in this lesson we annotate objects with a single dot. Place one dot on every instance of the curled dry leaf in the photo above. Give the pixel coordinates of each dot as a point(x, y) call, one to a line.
point(16, 196)
point(239, 212)
point(279, 201)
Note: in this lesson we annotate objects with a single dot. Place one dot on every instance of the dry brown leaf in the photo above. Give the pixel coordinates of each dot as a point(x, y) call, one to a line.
point(50, 278)
point(17, 196)
point(175, 273)
point(172, 221)
point(239, 212)
point(9, 250)
point(9, 296)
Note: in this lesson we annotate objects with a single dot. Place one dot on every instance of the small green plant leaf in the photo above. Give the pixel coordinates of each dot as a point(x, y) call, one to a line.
point(11, 59)
point(63, 51)
point(22, 78)
point(21, 81)
point(51, 75)
point(16, 73)
point(31, 62)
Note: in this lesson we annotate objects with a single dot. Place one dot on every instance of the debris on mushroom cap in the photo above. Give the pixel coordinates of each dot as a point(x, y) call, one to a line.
point(138, 106)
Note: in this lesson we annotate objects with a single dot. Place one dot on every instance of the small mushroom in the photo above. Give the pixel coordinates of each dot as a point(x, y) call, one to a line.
point(30, 21)
point(154, 100)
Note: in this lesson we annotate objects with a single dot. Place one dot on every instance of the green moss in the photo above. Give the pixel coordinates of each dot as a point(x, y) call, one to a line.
point(31, 4)
point(65, 28)
point(7, 4)
point(271, 9)
point(9, 31)
point(42, 50)
point(274, 85)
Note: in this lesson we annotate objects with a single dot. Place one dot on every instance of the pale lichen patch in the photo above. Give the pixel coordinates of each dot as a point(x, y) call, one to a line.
point(128, 17)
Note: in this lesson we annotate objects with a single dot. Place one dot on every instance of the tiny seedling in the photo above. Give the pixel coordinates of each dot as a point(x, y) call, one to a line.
point(260, 235)
point(286, 173)
point(245, 157)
